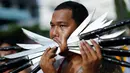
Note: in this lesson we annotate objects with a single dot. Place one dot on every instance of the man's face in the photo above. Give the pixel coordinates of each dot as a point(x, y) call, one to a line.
point(3, 53)
point(62, 25)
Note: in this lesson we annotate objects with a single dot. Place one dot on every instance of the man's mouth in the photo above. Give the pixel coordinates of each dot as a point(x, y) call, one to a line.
point(57, 41)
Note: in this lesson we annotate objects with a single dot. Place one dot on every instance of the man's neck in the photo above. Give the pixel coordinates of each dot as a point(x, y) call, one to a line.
point(72, 57)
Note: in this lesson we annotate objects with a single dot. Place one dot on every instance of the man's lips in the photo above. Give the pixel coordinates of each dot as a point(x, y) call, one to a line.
point(57, 41)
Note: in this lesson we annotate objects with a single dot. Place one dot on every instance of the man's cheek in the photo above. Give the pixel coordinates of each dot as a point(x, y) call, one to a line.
point(66, 34)
point(50, 35)
point(64, 41)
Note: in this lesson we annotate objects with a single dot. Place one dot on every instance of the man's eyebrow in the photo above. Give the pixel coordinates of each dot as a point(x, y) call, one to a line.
point(62, 22)
point(58, 22)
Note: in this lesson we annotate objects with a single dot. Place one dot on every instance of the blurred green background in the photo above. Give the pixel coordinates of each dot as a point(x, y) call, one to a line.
point(17, 14)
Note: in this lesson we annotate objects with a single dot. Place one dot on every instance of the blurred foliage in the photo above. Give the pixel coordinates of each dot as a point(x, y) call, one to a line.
point(16, 29)
point(121, 10)
point(122, 13)
point(14, 34)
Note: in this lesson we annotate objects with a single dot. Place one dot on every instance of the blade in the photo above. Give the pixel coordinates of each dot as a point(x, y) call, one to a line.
point(75, 50)
point(96, 24)
point(75, 40)
point(100, 19)
point(74, 36)
point(113, 35)
point(32, 56)
point(38, 38)
point(70, 45)
point(32, 51)
point(36, 60)
point(107, 23)
point(30, 46)
point(82, 26)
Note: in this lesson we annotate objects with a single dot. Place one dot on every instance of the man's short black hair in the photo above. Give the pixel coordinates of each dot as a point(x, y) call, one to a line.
point(79, 12)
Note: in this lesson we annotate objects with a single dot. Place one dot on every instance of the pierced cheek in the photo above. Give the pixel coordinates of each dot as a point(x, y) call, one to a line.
point(64, 42)
point(63, 46)
point(52, 33)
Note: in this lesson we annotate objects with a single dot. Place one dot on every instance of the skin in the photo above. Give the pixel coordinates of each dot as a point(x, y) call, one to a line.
point(62, 25)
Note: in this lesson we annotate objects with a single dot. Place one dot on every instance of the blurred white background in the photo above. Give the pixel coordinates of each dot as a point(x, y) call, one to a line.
point(46, 9)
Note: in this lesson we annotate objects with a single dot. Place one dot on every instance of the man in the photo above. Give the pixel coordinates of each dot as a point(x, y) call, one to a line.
point(66, 18)
point(64, 21)
point(7, 42)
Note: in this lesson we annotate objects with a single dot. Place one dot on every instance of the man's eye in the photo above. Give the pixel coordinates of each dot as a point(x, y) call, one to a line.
point(62, 25)
point(52, 25)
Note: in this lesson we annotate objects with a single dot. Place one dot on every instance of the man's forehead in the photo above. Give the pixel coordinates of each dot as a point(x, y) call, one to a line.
point(62, 15)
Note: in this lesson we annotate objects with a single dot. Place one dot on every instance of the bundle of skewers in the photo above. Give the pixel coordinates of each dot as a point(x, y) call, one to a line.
point(111, 44)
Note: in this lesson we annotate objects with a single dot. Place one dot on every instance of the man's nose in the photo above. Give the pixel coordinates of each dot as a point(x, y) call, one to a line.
point(56, 31)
